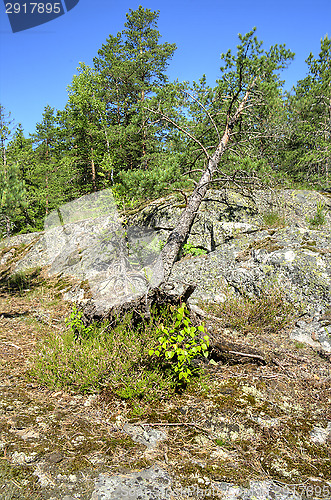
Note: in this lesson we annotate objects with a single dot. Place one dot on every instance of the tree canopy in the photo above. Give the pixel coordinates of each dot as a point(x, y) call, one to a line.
point(127, 127)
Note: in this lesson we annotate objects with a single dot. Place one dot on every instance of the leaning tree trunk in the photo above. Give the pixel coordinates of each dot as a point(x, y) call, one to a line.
point(177, 237)
point(141, 306)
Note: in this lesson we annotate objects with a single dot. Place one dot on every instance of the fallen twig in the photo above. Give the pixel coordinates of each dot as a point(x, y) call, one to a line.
point(254, 356)
point(11, 344)
point(167, 424)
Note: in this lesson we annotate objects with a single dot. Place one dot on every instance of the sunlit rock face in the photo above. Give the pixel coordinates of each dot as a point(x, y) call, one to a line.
point(248, 244)
point(87, 240)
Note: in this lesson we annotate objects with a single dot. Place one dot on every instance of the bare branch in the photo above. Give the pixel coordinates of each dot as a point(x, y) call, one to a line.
point(195, 170)
point(180, 191)
point(207, 112)
point(181, 129)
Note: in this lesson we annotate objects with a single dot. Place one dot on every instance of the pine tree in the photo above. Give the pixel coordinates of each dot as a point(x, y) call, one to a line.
point(47, 150)
point(87, 123)
point(12, 189)
point(132, 65)
point(308, 152)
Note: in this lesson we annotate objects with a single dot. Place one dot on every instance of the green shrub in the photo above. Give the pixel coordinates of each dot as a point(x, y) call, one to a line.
point(319, 217)
point(143, 184)
point(269, 313)
point(76, 325)
point(96, 357)
point(180, 345)
point(21, 280)
point(273, 219)
point(189, 249)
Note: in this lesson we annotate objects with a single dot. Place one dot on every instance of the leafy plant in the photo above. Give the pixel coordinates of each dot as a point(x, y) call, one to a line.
point(181, 344)
point(189, 249)
point(76, 325)
point(319, 217)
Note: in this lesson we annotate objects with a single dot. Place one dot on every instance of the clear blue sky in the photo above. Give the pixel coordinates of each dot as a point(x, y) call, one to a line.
point(38, 64)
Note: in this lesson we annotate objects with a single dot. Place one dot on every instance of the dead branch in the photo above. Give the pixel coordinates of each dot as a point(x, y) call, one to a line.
point(180, 191)
point(166, 118)
point(228, 352)
point(207, 112)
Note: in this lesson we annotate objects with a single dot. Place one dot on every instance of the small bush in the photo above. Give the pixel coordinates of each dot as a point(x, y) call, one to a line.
point(273, 219)
point(269, 313)
point(189, 249)
point(319, 217)
point(21, 280)
point(96, 357)
point(76, 325)
point(90, 359)
point(180, 345)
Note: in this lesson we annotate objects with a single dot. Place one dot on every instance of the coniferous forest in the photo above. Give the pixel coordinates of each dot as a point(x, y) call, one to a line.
point(127, 127)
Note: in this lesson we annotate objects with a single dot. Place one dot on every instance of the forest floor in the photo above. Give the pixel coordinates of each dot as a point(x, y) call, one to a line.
point(243, 422)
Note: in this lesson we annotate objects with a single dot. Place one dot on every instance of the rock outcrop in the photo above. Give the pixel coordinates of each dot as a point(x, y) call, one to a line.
point(256, 415)
point(245, 244)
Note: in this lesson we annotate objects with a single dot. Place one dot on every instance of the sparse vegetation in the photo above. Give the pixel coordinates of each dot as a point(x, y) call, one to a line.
point(189, 249)
point(89, 359)
point(151, 360)
point(95, 357)
point(268, 313)
point(245, 413)
point(319, 218)
point(273, 219)
point(21, 280)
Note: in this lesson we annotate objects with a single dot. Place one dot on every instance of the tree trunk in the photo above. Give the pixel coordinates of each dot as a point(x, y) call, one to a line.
point(47, 200)
point(93, 172)
point(177, 237)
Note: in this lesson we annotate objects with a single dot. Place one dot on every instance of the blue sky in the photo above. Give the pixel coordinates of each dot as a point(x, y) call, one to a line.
point(38, 64)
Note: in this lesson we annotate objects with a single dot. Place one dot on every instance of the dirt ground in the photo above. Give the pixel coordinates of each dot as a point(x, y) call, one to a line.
point(246, 421)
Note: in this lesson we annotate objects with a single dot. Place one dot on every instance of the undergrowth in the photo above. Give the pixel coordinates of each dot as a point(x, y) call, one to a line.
point(98, 357)
point(269, 313)
point(154, 359)
point(273, 220)
point(318, 219)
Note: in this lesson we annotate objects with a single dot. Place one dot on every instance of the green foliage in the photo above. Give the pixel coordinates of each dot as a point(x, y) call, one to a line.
point(163, 174)
point(12, 196)
point(180, 345)
point(307, 152)
point(273, 219)
point(319, 218)
point(77, 326)
point(202, 111)
point(132, 65)
point(299, 345)
point(118, 127)
point(98, 357)
point(21, 280)
point(189, 249)
point(268, 313)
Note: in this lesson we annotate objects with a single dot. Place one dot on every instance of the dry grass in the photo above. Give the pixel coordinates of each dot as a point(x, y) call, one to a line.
point(273, 406)
point(269, 313)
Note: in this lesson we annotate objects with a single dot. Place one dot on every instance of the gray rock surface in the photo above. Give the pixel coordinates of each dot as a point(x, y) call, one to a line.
point(259, 490)
point(150, 484)
point(145, 435)
point(244, 255)
point(321, 435)
point(155, 483)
